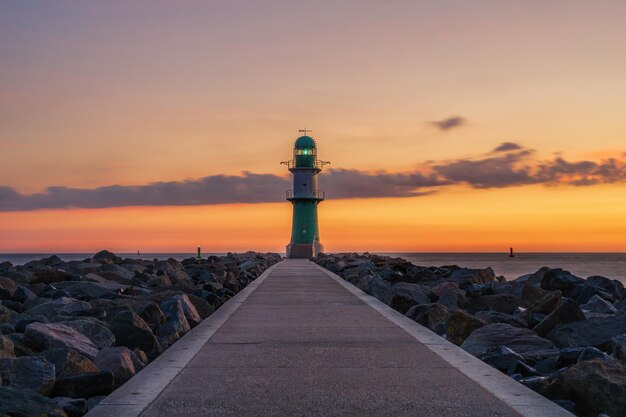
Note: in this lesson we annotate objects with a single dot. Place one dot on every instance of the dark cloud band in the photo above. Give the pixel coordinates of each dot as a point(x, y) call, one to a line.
point(508, 165)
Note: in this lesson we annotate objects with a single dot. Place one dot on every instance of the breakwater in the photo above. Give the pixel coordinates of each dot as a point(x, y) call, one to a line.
point(72, 332)
point(561, 335)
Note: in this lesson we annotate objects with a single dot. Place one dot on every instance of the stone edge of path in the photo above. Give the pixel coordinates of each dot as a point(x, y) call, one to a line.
point(525, 401)
point(132, 398)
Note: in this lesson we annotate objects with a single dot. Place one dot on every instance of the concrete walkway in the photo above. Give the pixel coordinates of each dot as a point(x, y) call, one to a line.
point(303, 343)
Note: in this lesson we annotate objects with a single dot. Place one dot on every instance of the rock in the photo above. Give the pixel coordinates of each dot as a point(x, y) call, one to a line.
point(6, 328)
point(568, 356)
point(430, 315)
point(95, 330)
point(94, 401)
point(61, 306)
point(597, 304)
point(19, 347)
point(68, 362)
point(523, 341)
point(374, 286)
point(104, 256)
point(466, 276)
point(619, 347)
point(73, 407)
point(28, 372)
point(131, 331)
point(55, 335)
point(439, 289)
point(402, 296)
point(176, 324)
point(152, 315)
point(567, 312)
point(497, 317)
point(591, 353)
point(191, 314)
point(84, 385)
point(545, 305)
point(23, 294)
point(535, 383)
point(531, 293)
point(15, 402)
point(119, 360)
point(7, 288)
point(503, 303)
point(501, 357)
point(558, 279)
point(460, 325)
point(116, 273)
point(452, 298)
point(596, 332)
point(612, 286)
point(6, 314)
point(204, 308)
point(595, 386)
point(7, 348)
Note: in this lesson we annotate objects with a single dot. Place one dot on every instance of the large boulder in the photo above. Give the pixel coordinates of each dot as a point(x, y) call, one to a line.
point(97, 331)
point(68, 362)
point(452, 298)
point(525, 342)
point(558, 279)
point(116, 273)
point(121, 361)
point(16, 402)
point(84, 385)
point(497, 317)
point(569, 311)
point(6, 314)
point(176, 324)
point(597, 304)
point(191, 314)
point(429, 315)
point(152, 315)
point(28, 372)
point(106, 257)
point(74, 407)
point(55, 335)
point(466, 276)
point(503, 303)
point(619, 347)
point(374, 285)
point(60, 306)
point(459, 325)
point(595, 386)
point(131, 331)
point(545, 305)
point(596, 332)
point(402, 296)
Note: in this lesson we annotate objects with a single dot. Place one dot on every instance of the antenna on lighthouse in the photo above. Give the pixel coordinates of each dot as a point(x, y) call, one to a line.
point(305, 131)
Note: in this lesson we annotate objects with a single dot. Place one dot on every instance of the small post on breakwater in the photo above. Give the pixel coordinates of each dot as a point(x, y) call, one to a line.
point(199, 256)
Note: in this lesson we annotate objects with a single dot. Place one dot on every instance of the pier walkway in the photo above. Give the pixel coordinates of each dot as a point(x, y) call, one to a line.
point(299, 341)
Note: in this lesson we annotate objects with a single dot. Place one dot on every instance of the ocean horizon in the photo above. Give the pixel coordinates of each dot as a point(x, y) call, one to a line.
point(583, 264)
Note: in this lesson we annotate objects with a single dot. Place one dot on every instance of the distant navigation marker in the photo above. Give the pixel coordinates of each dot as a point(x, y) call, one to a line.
point(199, 255)
point(511, 255)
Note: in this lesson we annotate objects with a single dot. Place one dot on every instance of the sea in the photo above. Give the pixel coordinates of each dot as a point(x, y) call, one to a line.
point(611, 265)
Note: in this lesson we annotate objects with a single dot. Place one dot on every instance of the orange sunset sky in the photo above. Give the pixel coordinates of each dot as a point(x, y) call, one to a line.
point(455, 126)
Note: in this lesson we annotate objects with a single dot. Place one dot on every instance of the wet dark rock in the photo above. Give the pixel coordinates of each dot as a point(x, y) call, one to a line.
point(131, 331)
point(597, 304)
point(453, 298)
point(402, 296)
point(569, 311)
point(191, 314)
point(23, 294)
point(28, 372)
point(68, 362)
point(523, 341)
point(73, 407)
point(466, 276)
point(176, 324)
point(531, 293)
point(611, 286)
point(84, 385)
point(595, 386)
point(558, 279)
point(55, 335)
point(595, 332)
point(460, 325)
point(15, 402)
point(591, 353)
point(152, 315)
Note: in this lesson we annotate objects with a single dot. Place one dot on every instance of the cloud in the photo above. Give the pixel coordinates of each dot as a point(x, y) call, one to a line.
point(515, 166)
point(449, 123)
point(507, 146)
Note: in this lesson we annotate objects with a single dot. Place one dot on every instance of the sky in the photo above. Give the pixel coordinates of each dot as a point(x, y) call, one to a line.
point(451, 126)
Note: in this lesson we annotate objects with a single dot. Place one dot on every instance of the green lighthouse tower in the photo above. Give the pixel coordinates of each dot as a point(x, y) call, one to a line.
point(304, 197)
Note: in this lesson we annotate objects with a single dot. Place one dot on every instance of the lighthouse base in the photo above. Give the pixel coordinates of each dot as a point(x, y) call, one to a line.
point(304, 250)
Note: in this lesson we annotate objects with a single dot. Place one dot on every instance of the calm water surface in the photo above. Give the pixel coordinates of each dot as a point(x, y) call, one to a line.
point(612, 265)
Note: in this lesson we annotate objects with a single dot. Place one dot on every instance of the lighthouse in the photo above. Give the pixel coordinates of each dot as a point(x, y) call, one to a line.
point(304, 197)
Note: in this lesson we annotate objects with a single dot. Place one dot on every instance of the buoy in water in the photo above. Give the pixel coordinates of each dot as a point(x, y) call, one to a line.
point(511, 255)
